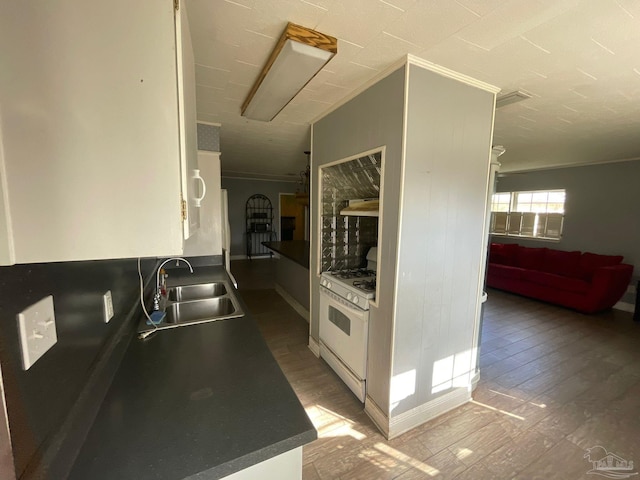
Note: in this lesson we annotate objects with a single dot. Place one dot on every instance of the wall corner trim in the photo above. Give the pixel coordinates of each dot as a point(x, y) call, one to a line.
point(376, 415)
point(417, 416)
point(461, 77)
point(314, 346)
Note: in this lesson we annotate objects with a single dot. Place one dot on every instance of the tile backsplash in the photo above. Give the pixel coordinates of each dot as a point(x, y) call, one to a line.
point(346, 239)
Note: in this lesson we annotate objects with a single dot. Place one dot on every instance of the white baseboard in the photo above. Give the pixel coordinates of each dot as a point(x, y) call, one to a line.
point(376, 415)
point(297, 306)
point(253, 257)
point(475, 380)
point(625, 307)
point(314, 346)
point(427, 411)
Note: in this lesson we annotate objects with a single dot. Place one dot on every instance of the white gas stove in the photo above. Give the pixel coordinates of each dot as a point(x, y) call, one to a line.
point(344, 322)
point(356, 286)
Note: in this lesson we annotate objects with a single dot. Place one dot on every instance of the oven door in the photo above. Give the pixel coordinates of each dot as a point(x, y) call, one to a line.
point(344, 329)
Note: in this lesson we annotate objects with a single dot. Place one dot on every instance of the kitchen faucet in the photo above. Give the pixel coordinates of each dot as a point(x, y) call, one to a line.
point(158, 294)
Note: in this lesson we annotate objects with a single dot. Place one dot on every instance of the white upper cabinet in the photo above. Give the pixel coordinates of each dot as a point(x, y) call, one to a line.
point(97, 129)
point(192, 183)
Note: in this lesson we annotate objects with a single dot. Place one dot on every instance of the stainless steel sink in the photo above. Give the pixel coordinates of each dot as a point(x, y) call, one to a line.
point(197, 303)
point(196, 292)
point(197, 310)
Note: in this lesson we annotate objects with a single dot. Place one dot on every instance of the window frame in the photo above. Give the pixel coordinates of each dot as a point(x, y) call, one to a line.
point(526, 220)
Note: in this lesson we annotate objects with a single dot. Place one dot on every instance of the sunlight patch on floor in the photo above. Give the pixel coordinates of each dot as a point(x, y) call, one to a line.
point(331, 424)
point(406, 459)
point(463, 453)
point(540, 405)
point(504, 412)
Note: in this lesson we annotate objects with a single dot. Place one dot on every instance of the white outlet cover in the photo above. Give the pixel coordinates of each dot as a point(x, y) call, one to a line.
point(107, 306)
point(37, 328)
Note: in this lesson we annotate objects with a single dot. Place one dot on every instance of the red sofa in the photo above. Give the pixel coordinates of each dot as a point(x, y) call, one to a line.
point(586, 282)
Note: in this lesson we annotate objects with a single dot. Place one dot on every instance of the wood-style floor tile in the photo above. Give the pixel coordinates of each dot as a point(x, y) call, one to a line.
point(553, 383)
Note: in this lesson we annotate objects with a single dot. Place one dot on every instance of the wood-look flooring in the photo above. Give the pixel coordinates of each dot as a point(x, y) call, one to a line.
point(553, 383)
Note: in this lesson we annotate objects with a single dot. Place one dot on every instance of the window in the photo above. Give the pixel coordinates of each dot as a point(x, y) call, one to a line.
point(535, 214)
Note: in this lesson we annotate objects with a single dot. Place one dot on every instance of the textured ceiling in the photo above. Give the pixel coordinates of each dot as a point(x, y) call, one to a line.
point(579, 60)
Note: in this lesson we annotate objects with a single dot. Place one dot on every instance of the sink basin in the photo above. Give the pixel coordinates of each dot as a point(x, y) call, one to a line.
point(199, 310)
point(195, 292)
point(195, 303)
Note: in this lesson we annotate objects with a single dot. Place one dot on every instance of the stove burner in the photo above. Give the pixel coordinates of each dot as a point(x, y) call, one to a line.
point(353, 273)
point(366, 285)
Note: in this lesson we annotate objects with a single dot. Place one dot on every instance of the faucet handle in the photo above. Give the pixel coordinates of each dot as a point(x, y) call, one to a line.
point(163, 282)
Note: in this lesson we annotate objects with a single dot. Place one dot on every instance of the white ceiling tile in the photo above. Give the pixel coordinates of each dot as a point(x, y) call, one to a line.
point(211, 76)
point(307, 14)
point(358, 21)
point(219, 55)
point(481, 7)
point(383, 51)
point(578, 59)
point(512, 19)
point(402, 5)
point(427, 23)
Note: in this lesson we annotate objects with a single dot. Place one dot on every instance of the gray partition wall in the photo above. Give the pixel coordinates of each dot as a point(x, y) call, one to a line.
point(436, 127)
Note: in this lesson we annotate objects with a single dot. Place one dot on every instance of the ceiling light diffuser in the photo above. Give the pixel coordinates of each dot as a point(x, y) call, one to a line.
point(297, 57)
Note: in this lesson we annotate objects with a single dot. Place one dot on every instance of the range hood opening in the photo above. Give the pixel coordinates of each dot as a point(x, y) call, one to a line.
point(366, 207)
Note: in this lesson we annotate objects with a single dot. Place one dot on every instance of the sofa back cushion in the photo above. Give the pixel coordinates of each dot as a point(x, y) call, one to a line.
point(503, 253)
point(530, 258)
point(562, 263)
point(589, 262)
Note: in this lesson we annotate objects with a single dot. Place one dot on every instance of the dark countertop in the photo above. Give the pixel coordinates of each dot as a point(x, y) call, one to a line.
point(296, 250)
point(205, 399)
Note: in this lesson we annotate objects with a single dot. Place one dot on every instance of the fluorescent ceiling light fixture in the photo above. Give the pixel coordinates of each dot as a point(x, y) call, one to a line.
point(298, 56)
point(512, 97)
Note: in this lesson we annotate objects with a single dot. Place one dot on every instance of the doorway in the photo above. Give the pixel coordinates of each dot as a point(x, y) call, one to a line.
point(292, 218)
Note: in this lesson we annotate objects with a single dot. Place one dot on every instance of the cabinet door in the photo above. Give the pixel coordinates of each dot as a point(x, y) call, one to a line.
point(89, 137)
point(207, 240)
point(192, 186)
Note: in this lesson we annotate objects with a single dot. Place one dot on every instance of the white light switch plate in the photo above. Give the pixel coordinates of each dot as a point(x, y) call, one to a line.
point(107, 306)
point(37, 328)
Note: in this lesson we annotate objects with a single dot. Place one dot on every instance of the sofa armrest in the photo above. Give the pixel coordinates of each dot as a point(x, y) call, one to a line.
point(608, 284)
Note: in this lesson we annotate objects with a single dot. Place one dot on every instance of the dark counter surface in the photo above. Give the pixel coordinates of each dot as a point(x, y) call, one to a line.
point(296, 250)
point(206, 400)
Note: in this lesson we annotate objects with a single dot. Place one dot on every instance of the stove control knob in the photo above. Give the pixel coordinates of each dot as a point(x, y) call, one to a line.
point(323, 282)
point(355, 299)
point(328, 284)
point(349, 296)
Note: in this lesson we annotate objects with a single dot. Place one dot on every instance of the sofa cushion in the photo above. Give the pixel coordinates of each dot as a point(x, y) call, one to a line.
point(505, 271)
point(562, 263)
point(589, 262)
point(503, 253)
point(557, 282)
point(530, 258)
